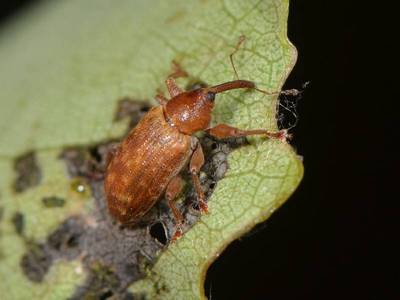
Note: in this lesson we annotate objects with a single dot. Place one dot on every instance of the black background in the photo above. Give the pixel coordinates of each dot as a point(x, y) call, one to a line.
point(335, 237)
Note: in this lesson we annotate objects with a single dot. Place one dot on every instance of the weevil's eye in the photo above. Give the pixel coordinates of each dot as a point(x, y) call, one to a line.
point(210, 96)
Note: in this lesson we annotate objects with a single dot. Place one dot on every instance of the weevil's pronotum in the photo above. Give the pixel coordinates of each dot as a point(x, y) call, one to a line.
point(149, 160)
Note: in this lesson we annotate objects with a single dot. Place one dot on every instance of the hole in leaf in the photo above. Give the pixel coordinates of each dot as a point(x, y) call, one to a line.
point(94, 153)
point(108, 294)
point(36, 262)
point(157, 231)
point(195, 206)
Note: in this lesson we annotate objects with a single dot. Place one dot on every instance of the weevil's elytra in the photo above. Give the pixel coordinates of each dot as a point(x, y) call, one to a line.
point(150, 159)
point(152, 154)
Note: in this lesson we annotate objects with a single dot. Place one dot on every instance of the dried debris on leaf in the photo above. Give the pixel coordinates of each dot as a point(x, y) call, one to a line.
point(28, 172)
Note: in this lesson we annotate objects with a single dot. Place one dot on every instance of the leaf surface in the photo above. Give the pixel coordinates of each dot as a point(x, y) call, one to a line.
point(64, 66)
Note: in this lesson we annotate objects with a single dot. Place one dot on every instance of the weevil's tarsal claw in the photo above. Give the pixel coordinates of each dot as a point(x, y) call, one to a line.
point(281, 135)
point(203, 206)
point(177, 235)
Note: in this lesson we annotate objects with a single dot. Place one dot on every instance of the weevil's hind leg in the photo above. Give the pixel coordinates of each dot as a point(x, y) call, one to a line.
point(173, 189)
point(196, 162)
point(177, 72)
point(222, 131)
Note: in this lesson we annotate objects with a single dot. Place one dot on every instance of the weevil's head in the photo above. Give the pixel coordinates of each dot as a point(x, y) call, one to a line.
point(191, 111)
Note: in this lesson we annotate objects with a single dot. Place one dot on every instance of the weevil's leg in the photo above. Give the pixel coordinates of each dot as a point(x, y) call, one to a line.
point(173, 189)
point(225, 131)
point(173, 88)
point(196, 162)
point(161, 99)
point(177, 72)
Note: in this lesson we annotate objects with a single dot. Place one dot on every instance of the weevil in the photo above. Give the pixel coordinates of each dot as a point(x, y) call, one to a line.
point(149, 160)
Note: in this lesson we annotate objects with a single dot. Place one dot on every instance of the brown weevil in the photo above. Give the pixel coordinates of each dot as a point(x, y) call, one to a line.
point(149, 160)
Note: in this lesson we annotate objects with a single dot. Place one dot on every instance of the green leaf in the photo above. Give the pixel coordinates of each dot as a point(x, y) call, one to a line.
point(63, 67)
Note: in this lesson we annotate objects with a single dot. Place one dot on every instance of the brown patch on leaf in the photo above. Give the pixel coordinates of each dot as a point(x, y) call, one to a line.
point(88, 163)
point(18, 221)
point(36, 262)
point(28, 172)
point(63, 243)
point(53, 201)
point(102, 283)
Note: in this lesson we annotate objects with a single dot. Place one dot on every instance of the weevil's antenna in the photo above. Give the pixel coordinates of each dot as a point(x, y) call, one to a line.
point(241, 40)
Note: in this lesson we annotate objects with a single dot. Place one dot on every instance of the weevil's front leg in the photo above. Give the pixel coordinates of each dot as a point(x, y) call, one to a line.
point(196, 162)
point(173, 189)
point(173, 88)
point(225, 131)
point(161, 99)
point(177, 72)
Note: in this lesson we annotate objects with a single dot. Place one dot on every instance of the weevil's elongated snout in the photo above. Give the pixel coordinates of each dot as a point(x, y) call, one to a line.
point(231, 85)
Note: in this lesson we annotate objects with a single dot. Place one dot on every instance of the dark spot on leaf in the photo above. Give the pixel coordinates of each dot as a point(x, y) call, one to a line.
point(106, 295)
point(102, 283)
point(157, 231)
point(28, 172)
point(95, 154)
point(76, 160)
point(65, 240)
point(53, 201)
point(36, 262)
point(134, 109)
point(88, 162)
point(63, 243)
point(18, 221)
